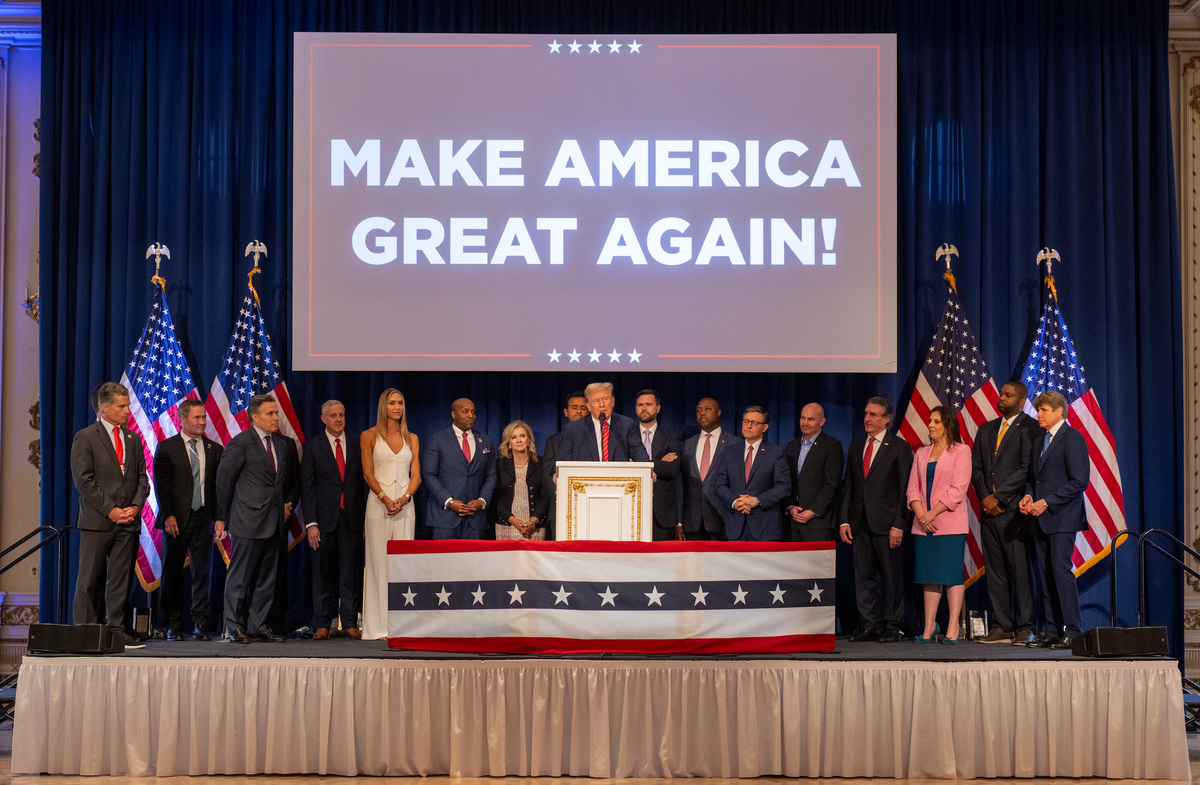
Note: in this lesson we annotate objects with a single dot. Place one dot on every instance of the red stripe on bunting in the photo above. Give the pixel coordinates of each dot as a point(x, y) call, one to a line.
point(403, 547)
point(779, 644)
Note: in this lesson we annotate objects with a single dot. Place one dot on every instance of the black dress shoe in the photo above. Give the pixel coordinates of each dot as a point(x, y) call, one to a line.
point(1022, 638)
point(863, 636)
point(1041, 641)
point(200, 634)
point(265, 635)
point(1058, 644)
point(175, 635)
point(237, 635)
point(891, 636)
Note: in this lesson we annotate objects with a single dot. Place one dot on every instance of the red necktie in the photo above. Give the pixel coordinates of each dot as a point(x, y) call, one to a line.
point(341, 462)
point(749, 460)
point(466, 447)
point(867, 455)
point(706, 456)
point(119, 446)
point(270, 453)
point(604, 440)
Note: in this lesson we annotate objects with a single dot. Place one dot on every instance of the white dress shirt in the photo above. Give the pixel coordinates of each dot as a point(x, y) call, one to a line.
point(187, 448)
point(876, 441)
point(716, 439)
point(333, 445)
point(642, 428)
point(108, 429)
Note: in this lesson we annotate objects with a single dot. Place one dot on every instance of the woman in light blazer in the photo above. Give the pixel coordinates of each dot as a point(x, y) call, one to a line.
point(937, 494)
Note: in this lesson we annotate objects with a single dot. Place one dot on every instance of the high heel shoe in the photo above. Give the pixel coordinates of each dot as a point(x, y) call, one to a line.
point(949, 641)
point(922, 641)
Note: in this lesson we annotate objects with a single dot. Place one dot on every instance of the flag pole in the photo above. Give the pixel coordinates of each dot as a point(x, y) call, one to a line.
point(256, 248)
point(158, 251)
point(947, 250)
point(1049, 255)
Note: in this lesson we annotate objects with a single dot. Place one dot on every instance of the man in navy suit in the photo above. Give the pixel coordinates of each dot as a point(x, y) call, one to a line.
point(752, 482)
point(458, 467)
point(258, 485)
point(185, 481)
point(1057, 481)
point(1000, 461)
point(331, 488)
point(576, 409)
point(702, 520)
point(874, 514)
point(616, 439)
point(663, 447)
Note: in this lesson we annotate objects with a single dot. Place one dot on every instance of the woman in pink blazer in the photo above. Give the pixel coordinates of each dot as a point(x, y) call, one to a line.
point(937, 494)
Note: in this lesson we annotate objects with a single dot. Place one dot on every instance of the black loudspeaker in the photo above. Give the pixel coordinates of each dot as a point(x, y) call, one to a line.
point(74, 639)
point(1120, 642)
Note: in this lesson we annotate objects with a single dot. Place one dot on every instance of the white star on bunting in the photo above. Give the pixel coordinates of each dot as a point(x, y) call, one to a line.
point(443, 595)
point(655, 597)
point(561, 595)
point(700, 596)
point(516, 594)
point(478, 595)
point(607, 597)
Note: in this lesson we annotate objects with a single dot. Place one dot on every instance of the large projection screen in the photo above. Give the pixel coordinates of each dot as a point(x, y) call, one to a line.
point(655, 203)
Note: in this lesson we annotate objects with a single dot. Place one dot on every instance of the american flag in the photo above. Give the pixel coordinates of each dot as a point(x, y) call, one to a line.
point(954, 375)
point(587, 597)
point(1052, 365)
point(250, 368)
point(158, 379)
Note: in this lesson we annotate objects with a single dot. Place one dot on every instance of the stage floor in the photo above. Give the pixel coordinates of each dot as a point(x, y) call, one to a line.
point(846, 651)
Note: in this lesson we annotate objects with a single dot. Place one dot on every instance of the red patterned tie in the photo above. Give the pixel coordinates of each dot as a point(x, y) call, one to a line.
point(119, 446)
point(466, 447)
point(341, 462)
point(867, 455)
point(604, 440)
point(749, 460)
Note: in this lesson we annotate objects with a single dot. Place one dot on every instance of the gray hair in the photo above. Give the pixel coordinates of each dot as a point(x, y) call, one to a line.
point(330, 404)
point(882, 403)
point(758, 410)
point(257, 401)
point(596, 387)
point(1054, 400)
point(110, 390)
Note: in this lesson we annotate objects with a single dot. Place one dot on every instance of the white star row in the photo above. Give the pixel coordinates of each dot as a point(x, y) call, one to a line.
point(608, 596)
point(594, 356)
point(594, 47)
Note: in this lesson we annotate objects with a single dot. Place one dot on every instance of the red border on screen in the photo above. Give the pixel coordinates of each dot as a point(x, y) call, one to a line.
point(878, 197)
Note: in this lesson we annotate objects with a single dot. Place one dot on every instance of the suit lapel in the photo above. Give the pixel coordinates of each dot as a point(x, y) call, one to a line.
point(997, 449)
point(106, 439)
point(1054, 442)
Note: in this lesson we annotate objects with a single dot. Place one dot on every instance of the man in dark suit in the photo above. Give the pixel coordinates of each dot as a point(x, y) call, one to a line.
point(576, 409)
point(701, 518)
point(458, 467)
point(185, 481)
point(258, 484)
point(616, 439)
point(110, 474)
point(1000, 463)
point(815, 464)
point(874, 513)
point(663, 447)
point(331, 489)
point(1057, 481)
point(752, 482)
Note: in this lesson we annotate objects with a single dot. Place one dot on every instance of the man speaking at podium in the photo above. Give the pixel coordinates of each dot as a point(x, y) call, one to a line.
point(603, 436)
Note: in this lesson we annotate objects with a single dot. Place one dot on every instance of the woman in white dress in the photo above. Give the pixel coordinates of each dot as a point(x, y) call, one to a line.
point(392, 470)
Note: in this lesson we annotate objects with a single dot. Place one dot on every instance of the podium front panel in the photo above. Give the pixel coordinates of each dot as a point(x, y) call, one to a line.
point(605, 501)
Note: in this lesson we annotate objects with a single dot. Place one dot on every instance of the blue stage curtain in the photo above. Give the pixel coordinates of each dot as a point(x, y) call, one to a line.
point(1022, 124)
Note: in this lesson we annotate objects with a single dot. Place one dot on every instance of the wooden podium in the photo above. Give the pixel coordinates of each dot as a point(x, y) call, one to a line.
point(604, 501)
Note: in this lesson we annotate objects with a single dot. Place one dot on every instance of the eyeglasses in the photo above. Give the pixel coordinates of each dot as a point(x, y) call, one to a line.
point(753, 422)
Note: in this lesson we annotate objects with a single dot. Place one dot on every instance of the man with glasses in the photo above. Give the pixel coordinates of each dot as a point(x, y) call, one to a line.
point(751, 482)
